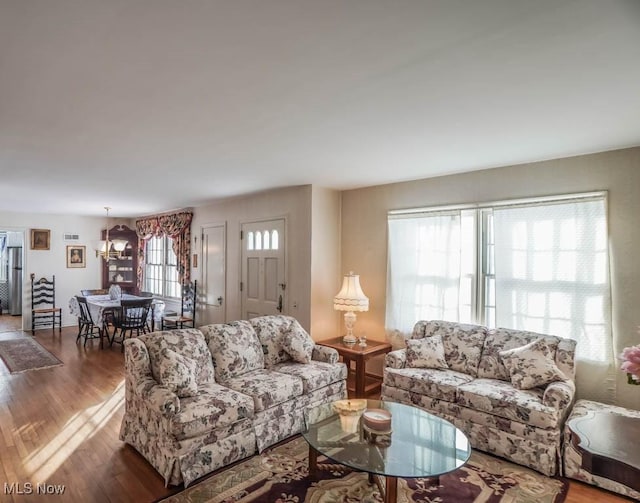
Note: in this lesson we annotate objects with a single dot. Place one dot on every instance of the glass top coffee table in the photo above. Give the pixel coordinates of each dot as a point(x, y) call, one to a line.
point(357, 435)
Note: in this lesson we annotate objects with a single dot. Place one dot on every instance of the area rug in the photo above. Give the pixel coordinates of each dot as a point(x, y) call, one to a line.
point(24, 354)
point(280, 475)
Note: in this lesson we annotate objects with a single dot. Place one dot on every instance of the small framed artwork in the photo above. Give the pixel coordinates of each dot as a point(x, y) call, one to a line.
point(40, 239)
point(76, 256)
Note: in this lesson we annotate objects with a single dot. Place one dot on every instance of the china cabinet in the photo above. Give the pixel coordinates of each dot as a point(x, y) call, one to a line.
point(121, 268)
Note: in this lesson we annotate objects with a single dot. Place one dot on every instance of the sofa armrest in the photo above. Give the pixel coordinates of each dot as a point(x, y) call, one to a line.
point(325, 354)
point(157, 397)
point(139, 380)
point(559, 395)
point(396, 359)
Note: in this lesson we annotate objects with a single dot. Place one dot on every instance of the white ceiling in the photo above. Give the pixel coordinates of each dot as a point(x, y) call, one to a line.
point(152, 105)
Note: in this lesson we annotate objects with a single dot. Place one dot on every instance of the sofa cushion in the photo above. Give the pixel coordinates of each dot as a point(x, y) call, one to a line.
point(188, 342)
point(426, 353)
point(235, 349)
point(502, 339)
point(298, 343)
point(441, 384)
point(266, 387)
point(532, 365)
point(177, 373)
point(214, 406)
point(501, 399)
point(314, 375)
point(271, 331)
point(462, 343)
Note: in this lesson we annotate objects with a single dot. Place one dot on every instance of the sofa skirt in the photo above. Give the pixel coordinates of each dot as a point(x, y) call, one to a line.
point(523, 444)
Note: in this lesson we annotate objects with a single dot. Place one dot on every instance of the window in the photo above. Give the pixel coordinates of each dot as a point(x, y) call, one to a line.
point(161, 272)
point(539, 265)
point(265, 240)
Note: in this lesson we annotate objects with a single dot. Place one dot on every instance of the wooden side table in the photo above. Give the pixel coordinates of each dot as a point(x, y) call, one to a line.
point(609, 446)
point(360, 355)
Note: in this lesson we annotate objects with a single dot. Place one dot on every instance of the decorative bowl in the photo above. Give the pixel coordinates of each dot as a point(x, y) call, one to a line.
point(377, 419)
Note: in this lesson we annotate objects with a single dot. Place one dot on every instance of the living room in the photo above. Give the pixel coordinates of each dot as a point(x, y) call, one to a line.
point(482, 149)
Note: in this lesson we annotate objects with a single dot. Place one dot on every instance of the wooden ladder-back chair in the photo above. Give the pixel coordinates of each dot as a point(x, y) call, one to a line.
point(131, 317)
point(44, 312)
point(187, 316)
point(87, 329)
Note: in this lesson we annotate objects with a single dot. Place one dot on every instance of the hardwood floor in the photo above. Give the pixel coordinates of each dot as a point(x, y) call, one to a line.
point(60, 426)
point(9, 323)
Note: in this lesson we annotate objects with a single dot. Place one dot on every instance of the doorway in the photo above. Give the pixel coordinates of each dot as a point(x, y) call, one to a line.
point(263, 283)
point(11, 280)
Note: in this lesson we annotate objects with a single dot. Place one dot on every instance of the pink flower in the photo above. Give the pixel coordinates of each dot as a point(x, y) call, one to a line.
point(631, 361)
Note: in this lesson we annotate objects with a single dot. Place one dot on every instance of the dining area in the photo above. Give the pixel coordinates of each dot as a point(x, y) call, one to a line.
point(114, 315)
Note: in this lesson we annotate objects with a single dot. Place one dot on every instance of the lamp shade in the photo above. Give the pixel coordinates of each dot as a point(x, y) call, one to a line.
point(351, 297)
point(119, 244)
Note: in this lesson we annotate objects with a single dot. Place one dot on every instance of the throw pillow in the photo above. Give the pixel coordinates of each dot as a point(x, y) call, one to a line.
point(427, 353)
point(186, 341)
point(298, 343)
point(178, 373)
point(532, 365)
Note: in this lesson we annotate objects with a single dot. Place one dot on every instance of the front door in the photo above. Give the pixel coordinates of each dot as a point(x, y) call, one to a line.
point(213, 291)
point(263, 268)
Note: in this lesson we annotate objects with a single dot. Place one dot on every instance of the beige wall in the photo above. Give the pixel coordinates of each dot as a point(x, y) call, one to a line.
point(51, 262)
point(326, 271)
point(294, 204)
point(364, 231)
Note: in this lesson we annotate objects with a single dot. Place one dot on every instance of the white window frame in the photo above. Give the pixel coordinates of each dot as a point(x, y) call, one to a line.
point(166, 284)
point(483, 212)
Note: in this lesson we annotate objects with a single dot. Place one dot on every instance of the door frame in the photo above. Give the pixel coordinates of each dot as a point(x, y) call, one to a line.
point(241, 223)
point(26, 289)
point(222, 224)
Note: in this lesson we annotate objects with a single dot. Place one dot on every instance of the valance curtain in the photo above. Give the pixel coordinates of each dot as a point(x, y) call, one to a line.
point(177, 226)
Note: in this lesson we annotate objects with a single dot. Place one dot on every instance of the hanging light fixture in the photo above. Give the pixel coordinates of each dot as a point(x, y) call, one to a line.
point(103, 247)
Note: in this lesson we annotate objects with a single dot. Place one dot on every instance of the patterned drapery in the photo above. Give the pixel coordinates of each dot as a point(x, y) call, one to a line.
point(176, 226)
point(146, 228)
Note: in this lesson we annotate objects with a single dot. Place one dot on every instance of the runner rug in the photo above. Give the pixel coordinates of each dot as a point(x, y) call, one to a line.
point(24, 354)
point(280, 475)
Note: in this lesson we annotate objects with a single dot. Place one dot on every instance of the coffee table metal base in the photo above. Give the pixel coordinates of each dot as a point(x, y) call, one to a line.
point(388, 490)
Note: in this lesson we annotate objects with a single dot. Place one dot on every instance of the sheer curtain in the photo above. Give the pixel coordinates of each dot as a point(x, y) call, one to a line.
point(423, 273)
point(552, 277)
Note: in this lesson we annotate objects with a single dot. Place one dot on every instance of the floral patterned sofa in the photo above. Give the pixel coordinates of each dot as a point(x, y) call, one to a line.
point(200, 399)
point(509, 391)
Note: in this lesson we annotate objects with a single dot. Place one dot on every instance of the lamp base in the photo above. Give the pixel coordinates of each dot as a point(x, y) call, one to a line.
point(349, 339)
point(349, 322)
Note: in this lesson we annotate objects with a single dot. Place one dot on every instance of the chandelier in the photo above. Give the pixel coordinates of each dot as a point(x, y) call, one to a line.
point(110, 249)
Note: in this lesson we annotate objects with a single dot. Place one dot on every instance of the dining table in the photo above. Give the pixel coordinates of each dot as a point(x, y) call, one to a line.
point(98, 304)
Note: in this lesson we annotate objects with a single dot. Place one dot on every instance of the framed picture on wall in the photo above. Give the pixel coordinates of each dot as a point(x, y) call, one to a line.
point(40, 239)
point(76, 256)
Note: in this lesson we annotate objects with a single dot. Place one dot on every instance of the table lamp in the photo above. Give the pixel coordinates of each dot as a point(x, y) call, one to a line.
point(350, 298)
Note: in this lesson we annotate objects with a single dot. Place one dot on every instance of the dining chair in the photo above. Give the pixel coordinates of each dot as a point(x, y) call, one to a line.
point(187, 316)
point(87, 329)
point(131, 316)
point(44, 312)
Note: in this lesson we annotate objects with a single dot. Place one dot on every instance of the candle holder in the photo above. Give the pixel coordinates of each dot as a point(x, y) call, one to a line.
point(350, 412)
